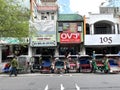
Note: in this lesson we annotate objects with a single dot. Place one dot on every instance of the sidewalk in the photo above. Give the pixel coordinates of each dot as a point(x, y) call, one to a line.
point(19, 75)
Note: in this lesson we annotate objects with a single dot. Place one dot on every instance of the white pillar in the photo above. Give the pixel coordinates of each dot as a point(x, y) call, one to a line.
point(29, 51)
point(92, 29)
point(82, 50)
point(11, 49)
point(56, 51)
point(0, 53)
point(116, 29)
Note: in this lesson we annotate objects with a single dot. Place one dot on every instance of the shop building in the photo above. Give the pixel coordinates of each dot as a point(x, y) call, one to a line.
point(102, 34)
point(44, 39)
point(70, 34)
point(103, 29)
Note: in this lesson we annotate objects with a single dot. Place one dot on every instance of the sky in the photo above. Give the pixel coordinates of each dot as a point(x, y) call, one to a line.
point(81, 7)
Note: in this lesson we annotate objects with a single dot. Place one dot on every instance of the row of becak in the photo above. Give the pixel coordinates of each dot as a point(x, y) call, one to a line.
point(109, 63)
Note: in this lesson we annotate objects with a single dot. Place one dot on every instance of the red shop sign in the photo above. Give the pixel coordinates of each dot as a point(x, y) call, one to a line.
point(70, 38)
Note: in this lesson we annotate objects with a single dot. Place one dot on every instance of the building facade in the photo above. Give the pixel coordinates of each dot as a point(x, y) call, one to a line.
point(56, 33)
point(44, 39)
point(102, 34)
point(60, 34)
point(70, 34)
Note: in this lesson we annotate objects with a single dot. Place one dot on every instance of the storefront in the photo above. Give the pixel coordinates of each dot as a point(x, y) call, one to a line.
point(102, 44)
point(69, 43)
point(102, 34)
point(44, 40)
point(10, 46)
point(70, 33)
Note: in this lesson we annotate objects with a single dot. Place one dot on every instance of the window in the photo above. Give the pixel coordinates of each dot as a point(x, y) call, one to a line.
point(103, 28)
point(52, 17)
point(42, 17)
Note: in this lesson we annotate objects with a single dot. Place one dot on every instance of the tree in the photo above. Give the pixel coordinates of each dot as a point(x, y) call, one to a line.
point(14, 19)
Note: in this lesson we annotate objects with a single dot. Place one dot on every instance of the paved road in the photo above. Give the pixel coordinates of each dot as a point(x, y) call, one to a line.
point(60, 82)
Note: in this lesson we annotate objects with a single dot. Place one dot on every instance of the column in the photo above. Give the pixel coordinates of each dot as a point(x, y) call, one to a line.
point(116, 29)
point(56, 51)
point(29, 51)
point(92, 29)
point(0, 53)
point(11, 49)
point(82, 50)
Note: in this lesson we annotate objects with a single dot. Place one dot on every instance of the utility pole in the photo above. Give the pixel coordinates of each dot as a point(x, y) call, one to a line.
point(31, 9)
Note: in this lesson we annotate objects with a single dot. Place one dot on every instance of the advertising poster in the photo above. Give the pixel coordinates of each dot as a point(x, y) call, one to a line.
point(45, 34)
point(70, 27)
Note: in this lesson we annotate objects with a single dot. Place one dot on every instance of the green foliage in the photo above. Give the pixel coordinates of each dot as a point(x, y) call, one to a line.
point(14, 19)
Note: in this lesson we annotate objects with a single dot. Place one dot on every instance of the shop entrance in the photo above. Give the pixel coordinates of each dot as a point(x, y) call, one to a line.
point(13, 49)
point(66, 49)
point(45, 51)
point(102, 50)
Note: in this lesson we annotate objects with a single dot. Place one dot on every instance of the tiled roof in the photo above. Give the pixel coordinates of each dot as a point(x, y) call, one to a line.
point(70, 17)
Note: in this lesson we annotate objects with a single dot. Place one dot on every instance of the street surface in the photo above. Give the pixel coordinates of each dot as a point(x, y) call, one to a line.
point(72, 81)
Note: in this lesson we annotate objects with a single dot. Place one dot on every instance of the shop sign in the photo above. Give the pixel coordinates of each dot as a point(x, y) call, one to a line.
point(108, 39)
point(10, 40)
point(43, 43)
point(70, 38)
point(43, 40)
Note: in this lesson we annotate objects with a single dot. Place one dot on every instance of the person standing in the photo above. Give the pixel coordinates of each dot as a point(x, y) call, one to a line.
point(14, 65)
point(106, 64)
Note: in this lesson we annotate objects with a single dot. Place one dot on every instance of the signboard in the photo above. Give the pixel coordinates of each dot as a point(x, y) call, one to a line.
point(45, 34)
point(106, 39)
point(10, 40)
point(44, 40)
point(70, 38)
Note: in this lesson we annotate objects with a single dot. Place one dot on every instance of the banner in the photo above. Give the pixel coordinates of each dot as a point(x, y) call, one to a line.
point(70, 27)
point(44, 34)
point(44, 27)
point(70, 38)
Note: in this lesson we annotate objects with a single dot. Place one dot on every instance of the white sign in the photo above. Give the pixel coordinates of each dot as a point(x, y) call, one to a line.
point(106, 39)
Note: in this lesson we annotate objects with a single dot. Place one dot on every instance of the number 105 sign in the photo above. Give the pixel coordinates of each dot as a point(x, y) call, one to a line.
point(108, 39)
